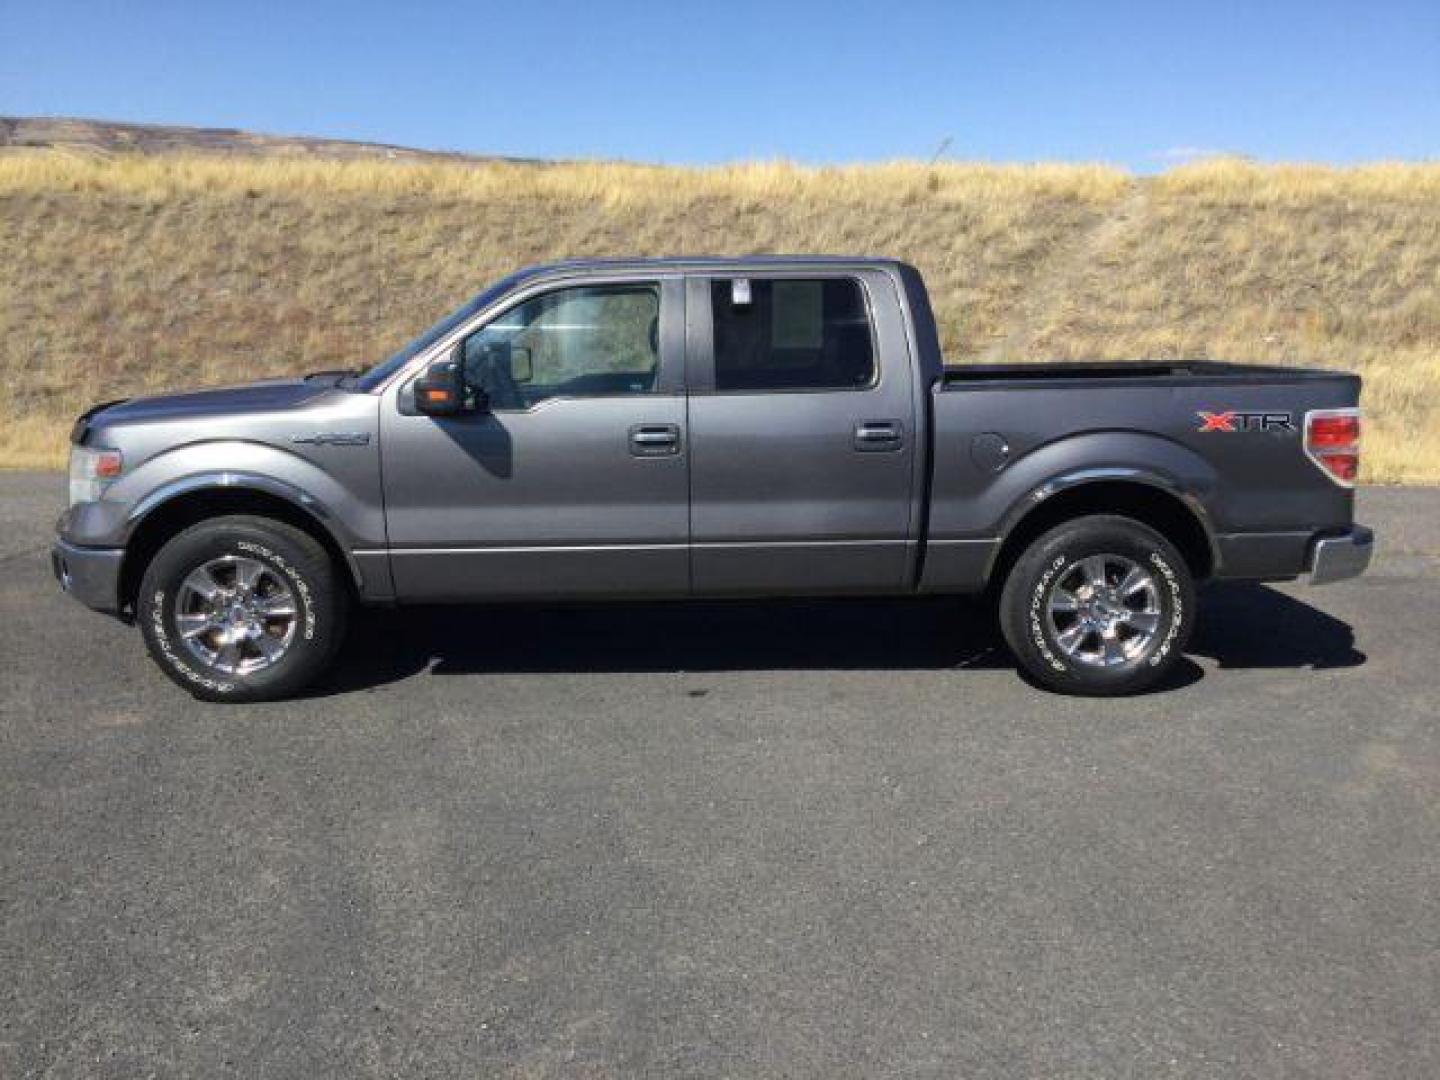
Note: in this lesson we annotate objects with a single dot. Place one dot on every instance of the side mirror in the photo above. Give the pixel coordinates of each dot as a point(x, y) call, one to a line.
point(441, 390)
point(522, 364)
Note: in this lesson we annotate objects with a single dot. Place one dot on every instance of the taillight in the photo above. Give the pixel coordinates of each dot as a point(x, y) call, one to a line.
point(1332, 441)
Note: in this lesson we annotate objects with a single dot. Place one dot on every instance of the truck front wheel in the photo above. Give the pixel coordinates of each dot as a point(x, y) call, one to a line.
point(241, 608)
point(1100, 605)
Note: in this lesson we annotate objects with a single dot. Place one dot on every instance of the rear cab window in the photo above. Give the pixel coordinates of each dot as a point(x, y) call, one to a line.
point(791, 334)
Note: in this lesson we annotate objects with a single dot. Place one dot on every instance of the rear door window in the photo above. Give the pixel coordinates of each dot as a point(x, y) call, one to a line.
point(791, 334)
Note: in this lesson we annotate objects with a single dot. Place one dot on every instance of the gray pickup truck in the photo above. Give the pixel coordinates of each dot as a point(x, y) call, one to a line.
point(664, 429)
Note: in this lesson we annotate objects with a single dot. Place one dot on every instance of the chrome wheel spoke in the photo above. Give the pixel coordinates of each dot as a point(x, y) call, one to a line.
point(1111, 650)
point(247, 574)
point(1135, 580)
point(1063, 601)
point(193, 625)
point(276, 605)
point(1144, 623)
point(270, 647)
point(1070, 639)
point(227, 658)
point(1094, 570)
point(201, 581)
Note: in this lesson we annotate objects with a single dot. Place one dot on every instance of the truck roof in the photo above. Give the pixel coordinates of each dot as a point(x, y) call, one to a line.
point(708, 263)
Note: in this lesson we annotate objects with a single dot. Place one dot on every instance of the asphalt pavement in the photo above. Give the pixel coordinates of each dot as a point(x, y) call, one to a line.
point(806, 839)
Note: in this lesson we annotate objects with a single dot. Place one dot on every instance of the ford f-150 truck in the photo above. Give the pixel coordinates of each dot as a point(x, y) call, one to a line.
point(758, 427)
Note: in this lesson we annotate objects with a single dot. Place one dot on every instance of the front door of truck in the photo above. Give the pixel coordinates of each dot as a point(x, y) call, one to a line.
point(573, 481)
point(803, 435)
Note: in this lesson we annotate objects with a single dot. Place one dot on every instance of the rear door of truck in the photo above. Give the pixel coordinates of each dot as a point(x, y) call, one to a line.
point(803, 433)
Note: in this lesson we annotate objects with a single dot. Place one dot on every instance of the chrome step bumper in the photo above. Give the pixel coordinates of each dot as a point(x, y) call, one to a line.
point(1335, 558)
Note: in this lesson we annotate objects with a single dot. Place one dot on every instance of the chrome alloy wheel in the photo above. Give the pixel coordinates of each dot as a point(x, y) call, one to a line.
point(236, 615)
point(1104, 610)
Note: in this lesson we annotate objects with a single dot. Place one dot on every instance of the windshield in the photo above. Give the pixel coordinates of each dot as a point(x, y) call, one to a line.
point(382, 371)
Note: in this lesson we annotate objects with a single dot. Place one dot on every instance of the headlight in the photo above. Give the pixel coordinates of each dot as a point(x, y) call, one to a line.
point(92, 470)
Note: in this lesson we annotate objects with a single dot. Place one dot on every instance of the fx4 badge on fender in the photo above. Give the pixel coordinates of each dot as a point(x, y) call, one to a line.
point(334, 438)
point(1245, 421)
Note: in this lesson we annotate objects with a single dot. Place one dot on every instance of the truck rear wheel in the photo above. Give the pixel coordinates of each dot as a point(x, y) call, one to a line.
point(1100, 605)
point(242, 608)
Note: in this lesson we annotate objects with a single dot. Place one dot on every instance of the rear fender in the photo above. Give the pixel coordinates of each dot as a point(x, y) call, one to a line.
point(1102, 456)
point(971, 531)
point(1117, 457)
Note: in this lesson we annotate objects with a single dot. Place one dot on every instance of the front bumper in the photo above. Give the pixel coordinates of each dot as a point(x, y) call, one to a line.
point(91, 575)
point(1335, 558)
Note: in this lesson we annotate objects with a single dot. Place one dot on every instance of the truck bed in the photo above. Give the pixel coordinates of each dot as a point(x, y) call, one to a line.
point(1005, 432)
point(1173, 372)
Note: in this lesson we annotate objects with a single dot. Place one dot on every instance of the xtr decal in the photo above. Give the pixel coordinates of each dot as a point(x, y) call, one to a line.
point(1235, 420)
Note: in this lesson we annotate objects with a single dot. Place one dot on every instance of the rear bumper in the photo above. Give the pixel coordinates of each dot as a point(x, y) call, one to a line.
point(1335, 558)
point(90, 575)
point(1329, 555)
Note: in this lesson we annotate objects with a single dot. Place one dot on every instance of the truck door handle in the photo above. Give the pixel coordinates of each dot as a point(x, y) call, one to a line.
point(873, 435)
point(654, 440)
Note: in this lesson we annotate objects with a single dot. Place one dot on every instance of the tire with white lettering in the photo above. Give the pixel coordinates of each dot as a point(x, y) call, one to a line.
point(1100, 605)
point(242, 608)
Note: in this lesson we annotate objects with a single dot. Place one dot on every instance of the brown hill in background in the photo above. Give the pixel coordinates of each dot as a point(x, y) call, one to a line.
point(110, 137)
point(128, 273)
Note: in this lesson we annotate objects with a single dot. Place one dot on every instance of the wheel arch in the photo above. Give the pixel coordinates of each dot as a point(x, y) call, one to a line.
point(169, 511)
point(1142, 496)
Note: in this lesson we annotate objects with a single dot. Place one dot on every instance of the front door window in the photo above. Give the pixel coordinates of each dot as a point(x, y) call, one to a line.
point(587, 341)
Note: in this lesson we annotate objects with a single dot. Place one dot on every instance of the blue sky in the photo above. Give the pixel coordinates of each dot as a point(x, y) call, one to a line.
point(1138, 84)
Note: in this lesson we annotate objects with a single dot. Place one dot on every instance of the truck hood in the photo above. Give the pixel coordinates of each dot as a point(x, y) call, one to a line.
point(265, 396)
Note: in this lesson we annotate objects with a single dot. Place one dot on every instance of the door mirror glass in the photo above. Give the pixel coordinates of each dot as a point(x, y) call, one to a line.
point(522, 364)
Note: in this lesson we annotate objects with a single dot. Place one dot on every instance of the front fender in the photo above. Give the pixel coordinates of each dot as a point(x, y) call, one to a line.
point(346, 513)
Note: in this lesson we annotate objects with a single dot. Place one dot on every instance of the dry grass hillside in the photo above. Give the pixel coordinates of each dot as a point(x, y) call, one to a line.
point(127, 274)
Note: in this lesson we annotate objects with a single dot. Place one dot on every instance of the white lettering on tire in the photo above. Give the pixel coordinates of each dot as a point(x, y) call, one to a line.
point(162, 639)
point(301, 585)
point(1037, 602)
point(1177, 606)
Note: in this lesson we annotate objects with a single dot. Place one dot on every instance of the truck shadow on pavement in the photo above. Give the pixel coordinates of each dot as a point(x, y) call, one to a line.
point(1244, 625)
point(1240, 626)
